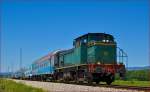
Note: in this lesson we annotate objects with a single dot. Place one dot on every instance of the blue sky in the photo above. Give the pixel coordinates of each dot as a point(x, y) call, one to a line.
point(41, 27)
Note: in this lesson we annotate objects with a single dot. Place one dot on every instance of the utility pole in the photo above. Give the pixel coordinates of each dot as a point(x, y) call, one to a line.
point(20, 58)
point(12, 67)
point(0, 49)
point(149, 47)
point(0, 45)
point(0, 38)
point(8, 69)
point(21, 69)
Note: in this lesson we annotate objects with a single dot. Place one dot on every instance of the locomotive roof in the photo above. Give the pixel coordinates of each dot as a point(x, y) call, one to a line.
point(94, 34)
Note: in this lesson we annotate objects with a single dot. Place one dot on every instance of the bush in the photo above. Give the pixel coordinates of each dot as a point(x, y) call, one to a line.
point(138, 75)
point(141, 75)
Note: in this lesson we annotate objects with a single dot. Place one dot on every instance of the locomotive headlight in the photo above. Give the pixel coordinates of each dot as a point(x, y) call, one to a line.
point(98, 63)
point(107, 40)
point(103, 40)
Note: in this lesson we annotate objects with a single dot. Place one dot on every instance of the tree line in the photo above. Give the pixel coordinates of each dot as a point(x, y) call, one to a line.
point(139, 75)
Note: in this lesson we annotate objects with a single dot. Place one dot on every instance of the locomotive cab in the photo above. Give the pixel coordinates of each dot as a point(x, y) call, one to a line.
point(97, 48)
point(101, 49)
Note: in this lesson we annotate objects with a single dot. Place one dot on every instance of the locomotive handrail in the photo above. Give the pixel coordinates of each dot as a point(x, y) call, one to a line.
point(122, 55)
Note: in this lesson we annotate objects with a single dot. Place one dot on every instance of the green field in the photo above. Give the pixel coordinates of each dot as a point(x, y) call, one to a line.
point(135, 78)
point(132, 83)
point(11, 86)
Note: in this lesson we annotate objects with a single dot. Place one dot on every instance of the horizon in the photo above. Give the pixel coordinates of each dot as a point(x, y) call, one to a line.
point(41, 27)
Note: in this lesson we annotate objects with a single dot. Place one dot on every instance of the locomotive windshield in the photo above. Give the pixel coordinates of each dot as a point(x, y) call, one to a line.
point(101, 38)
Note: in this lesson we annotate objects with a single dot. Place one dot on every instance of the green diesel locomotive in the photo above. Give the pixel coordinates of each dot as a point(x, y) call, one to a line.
point(93, 58)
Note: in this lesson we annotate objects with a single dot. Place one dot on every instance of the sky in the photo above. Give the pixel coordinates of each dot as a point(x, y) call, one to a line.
point(44, 26)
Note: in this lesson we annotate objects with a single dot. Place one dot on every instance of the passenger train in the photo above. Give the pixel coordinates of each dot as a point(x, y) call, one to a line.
point(93, 58)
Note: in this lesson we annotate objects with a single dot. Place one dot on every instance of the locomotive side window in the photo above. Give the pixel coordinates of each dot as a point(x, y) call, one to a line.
point(77, 43)
point(50, 61)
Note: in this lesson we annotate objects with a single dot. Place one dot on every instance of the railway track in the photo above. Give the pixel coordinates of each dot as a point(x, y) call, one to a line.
point(145, 89)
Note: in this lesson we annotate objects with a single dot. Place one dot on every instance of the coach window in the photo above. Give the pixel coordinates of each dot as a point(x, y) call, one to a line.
point(40, 65)
point(44, 65)
point(48, 64)
point(50, 61)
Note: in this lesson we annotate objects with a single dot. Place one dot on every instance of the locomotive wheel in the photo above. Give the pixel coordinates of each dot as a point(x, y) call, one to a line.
point(97, 82)
point(89, 81)
point(108, 82)
point(79, 82)
point(89, 78)
point(110, 79)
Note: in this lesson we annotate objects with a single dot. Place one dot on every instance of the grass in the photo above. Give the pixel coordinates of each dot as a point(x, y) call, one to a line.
point(132, 83)
point(11, 86)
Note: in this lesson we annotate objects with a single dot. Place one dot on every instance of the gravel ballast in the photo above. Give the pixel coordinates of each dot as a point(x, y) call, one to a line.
point(61, 87)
